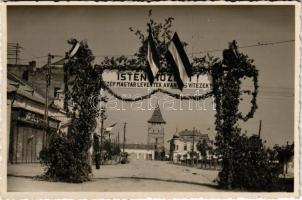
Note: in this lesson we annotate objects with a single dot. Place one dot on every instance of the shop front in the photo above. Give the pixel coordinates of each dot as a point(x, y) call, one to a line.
point(28, 135)
point(26, 127)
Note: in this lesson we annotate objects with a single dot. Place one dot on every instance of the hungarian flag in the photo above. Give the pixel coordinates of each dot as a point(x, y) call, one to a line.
point(74, 49)
point(178, 59)
point(153, 58)
point(109, 128)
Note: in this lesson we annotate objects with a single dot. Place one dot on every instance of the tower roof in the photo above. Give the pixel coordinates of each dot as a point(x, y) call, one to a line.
point(156, 116)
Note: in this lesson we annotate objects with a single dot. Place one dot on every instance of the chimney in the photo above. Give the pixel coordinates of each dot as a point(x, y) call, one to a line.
point(32, 65)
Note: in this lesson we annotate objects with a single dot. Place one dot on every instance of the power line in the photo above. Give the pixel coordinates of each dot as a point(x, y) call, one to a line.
point(259, 44)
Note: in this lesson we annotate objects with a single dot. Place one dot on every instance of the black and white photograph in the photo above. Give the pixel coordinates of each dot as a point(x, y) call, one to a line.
point(185, 98)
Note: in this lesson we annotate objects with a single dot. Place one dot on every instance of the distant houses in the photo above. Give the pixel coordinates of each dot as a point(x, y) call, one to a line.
point(185, 145)
point(140, 151)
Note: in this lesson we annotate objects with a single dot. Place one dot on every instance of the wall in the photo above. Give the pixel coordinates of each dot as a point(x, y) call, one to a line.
point(143, 152)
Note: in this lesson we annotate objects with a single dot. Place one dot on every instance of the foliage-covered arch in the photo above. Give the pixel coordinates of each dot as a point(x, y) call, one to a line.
point(227, 74)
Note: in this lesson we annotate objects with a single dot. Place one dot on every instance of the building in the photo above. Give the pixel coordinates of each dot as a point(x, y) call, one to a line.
point(156, 133)
point(140, 151)
point(26, 120)
point(36, 76)
point(184, 143)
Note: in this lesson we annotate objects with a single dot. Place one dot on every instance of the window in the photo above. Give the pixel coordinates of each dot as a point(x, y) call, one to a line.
point(185, 147)
point(176, 147)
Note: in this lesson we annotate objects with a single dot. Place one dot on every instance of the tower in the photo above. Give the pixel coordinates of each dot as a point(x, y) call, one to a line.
point(156, 133)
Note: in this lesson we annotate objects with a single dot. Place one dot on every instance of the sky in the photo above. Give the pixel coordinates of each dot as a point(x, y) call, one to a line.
point(44, 29)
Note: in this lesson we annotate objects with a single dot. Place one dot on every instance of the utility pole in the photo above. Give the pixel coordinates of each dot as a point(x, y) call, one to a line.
point(193, 146)
point(259, 128)
point(48, 80)
point(13, 52)
point(102, 130)
point(17, 52)
point(125, 124)
point(118, 138)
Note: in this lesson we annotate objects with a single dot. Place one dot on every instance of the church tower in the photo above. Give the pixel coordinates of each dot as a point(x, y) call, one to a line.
point(156, 133)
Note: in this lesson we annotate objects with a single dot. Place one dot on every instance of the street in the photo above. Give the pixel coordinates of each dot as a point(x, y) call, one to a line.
point(136, 176)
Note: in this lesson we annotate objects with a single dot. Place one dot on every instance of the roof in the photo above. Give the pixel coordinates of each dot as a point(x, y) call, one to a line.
point(58, 63)
point(187, 132)
point(21, 87)
point(138, 146)
point(156, 116)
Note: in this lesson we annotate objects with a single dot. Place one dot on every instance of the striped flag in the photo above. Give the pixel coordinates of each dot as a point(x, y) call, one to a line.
point(109, 128)
point(74, 49)
point(178, 59)
point(153, 58)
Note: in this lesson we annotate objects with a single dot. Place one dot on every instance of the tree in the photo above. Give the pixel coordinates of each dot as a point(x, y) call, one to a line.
point(283, 155)
point(204, 148)
point(116, 150)
point(172, 147)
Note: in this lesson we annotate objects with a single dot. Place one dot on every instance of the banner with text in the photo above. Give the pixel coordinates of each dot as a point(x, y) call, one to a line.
point(140, 80)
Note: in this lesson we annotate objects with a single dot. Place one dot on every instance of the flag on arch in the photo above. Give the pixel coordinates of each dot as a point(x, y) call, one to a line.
point(153, 58)
point(74, 48)
point(178, 59)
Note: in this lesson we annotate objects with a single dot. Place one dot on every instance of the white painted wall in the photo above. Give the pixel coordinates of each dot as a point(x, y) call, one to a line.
point(141, 153)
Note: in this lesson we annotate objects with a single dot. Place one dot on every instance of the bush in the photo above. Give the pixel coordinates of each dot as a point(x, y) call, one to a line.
point(251, 165)
point(61, 162)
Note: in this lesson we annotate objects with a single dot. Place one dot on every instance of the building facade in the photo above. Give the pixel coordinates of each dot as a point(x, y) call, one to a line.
point(185, 143)
point(36, 77)
point(26, 125)
point(156, 133)
point(140, 151)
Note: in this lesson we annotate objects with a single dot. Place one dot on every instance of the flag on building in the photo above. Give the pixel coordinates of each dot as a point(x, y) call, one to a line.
point(178, 59)
point(153, 58)
point(109, 128)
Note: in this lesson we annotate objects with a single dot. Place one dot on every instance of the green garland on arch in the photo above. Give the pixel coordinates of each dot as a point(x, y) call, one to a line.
point(227, 75)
